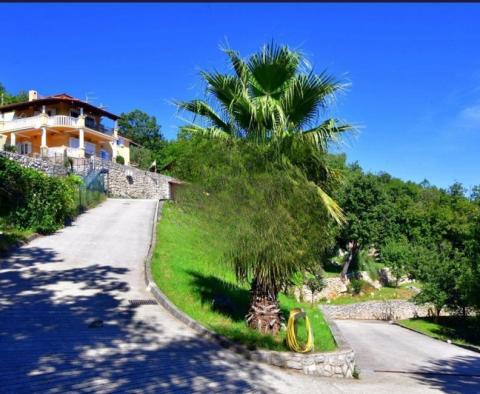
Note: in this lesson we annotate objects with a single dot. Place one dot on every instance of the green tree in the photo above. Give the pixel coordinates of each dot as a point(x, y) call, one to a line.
point(272, 101)
point(442, 279)
point(8, 98)
point(369, 212)
point(142, 129)
point(398, 255)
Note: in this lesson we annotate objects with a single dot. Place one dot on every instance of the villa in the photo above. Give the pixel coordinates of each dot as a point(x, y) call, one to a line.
point(60, 125)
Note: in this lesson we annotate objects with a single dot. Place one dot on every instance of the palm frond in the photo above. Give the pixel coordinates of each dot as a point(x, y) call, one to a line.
point(271, 70)
point(327, 132)
point(213, 132)
point(201, 108)
point(307, 95)
point(225, 88)
point(331, 205)
point(240, 67)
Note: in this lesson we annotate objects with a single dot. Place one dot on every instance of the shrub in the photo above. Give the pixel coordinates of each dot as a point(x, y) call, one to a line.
point(119, 159)
point(358, 286)
point(368, 264)
point(31, 199)
point(10, 148)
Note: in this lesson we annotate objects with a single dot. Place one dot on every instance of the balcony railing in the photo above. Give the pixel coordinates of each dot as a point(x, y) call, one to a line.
point(62, 120)
point(23, 123)
point(60, 151)
point(37, 121)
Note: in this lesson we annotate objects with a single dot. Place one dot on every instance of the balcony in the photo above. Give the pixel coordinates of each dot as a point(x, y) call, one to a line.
point(33, 122)
point(43, 120)
point(63, 120)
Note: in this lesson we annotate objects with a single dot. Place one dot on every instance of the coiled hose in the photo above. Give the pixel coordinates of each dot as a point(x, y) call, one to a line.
point(292, 342)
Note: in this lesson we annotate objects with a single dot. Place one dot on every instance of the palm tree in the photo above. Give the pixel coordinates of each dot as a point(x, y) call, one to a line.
point(272, 98)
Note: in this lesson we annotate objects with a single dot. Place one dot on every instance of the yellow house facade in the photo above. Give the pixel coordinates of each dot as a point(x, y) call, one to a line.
point(61, 125)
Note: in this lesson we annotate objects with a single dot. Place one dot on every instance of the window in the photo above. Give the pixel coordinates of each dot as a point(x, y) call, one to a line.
point(90, 122)
point(90, 148)
point(104, 155)
point(74, 142)
point(74, 113)
point(51, 112)
point(24, 148)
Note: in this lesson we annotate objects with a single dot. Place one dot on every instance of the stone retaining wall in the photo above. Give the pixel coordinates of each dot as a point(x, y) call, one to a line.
point(333, 288)
point(38, 164)
point(376, 310)
point(129, 182)
point(340, 363)
point(122, 181)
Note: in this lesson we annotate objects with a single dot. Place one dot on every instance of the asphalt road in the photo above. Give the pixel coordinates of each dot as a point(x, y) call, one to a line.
point(67, 323)
point(385, 349)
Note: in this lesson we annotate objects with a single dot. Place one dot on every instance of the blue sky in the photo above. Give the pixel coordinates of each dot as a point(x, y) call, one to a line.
point(414, 69)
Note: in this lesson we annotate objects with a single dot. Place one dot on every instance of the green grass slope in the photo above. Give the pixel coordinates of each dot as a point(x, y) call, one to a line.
point(187, 266)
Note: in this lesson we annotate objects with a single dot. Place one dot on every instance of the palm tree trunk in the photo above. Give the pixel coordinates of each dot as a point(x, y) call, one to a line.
point(264, 312)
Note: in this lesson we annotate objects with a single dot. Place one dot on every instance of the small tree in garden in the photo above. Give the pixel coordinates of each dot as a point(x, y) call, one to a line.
point(315, 282)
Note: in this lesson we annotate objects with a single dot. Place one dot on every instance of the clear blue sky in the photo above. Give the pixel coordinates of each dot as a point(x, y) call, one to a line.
point(414, 69)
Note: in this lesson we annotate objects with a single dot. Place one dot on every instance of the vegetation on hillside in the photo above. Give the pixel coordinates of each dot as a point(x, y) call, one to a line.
point(418, 230)
point(31, 201)
point(193, 276)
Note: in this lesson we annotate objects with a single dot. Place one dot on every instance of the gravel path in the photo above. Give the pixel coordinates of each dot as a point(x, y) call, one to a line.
point(67, 323)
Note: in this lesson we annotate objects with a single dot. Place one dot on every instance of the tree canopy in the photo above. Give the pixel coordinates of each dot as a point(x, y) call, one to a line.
point(142, 129)
point(9, 98)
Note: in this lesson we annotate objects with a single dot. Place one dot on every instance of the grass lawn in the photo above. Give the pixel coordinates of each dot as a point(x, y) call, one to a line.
point(384, 293)
point(465, 331)
point(10, 236)
point(187, 266)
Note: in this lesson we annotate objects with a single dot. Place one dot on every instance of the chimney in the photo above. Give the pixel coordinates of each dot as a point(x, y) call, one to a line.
point(32, 95)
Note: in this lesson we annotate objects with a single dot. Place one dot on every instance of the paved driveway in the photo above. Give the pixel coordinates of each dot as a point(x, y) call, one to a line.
point(389, 351)
point(66, 323)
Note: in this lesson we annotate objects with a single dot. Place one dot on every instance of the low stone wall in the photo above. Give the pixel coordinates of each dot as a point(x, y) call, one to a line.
point(122, 181)
point(340, 363)
point(129, 182)
point(376, 310)
point(38, 164)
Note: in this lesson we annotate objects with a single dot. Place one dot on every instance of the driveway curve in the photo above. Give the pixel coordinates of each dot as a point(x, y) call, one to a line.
point(387, 350)
point(75, 317)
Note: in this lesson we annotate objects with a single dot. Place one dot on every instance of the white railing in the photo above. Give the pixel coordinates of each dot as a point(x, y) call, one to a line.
point(37, 121)
point(60, 150)
point(23, 123)
point(57, 151)
point(62, 120)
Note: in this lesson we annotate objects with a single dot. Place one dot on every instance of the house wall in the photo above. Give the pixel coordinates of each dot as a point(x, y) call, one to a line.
point(124, 151)
point(61, 138)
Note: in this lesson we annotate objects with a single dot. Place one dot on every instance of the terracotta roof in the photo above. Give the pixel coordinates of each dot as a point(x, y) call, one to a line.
point(62, 97)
